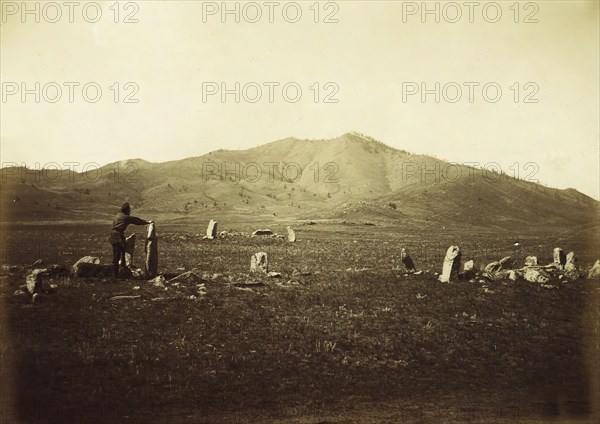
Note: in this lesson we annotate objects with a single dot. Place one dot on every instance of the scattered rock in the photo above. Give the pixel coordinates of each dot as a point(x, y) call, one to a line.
point(288, 284)
point(559, 258)
point(92, 270)
point(11, 268)
point(291, 234)
point(37, 264)
point(248, 284)
point(595, 270)
point(451, 266)
point(151, 252)
point(259, 263)
point(531, 261)
point(138, 273)
point(274, 274)
point(498, 270)
point(158, 281)
point(265, 232)
point(536, 276)
point(19, 292)
point(211, 230)
point(187, 277)
point(407, 260)
point(85, 260)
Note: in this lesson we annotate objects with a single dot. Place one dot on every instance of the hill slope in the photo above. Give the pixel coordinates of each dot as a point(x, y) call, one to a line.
point(349, 177)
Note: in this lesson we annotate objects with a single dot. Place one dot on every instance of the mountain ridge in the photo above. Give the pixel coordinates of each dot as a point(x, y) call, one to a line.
point(352, 176)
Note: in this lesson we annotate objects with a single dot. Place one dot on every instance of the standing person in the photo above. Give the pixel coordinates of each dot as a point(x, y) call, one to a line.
point(117, 234)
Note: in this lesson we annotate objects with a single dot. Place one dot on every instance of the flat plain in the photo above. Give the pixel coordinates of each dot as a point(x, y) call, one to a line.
point(343, 335)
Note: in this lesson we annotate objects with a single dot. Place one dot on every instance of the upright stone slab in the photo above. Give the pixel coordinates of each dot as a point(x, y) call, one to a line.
point(407, 260)
point(469, 270)
point(595, 270)
point(451, 266)
point(34, 280)
point(571, 271)
point(560, 258)
point(129, 249)
point(211, 230)
point(151, 252)
point(291, 234)
point(259, 263)
point(531, 261)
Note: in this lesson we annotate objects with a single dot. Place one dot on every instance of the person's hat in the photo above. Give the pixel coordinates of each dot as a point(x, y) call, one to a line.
point(125, 207)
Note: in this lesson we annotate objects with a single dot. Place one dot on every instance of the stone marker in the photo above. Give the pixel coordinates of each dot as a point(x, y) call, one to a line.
point(84, 260)
point(407, 260)
point(469, 270)
point(291, 234)
point(129, 249)
point(259, 263)
point(265, 232)
point(571, 271)
point(536, 276)
point(595, 270)
point(151, 251)
point(451, 266)
point(211, 230)
point(531, 261)
point(559, 258)
point(34, 280)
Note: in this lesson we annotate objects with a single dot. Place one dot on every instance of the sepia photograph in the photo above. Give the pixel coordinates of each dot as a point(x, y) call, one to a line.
point(303, 212)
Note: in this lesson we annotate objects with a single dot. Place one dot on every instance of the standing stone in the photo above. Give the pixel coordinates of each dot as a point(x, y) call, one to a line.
point(259, 263)
point(571, 271)
point(291, 234)
point(559, 258)
point(34, 280)
point(469, 270)
point(151, 252)
point(211, 230)
point(451, 267)
point(595, 270)
point(129, 249)
point(407, 260)
point(531, 261)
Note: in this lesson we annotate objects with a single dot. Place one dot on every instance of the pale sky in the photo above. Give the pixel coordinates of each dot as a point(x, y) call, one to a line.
point(368, 56)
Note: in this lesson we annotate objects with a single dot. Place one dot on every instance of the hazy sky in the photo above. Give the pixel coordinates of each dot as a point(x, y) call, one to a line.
point(372, 57)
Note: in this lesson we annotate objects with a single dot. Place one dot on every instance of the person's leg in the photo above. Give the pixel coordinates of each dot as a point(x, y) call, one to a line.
point(123, 262)
point(116, 256)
